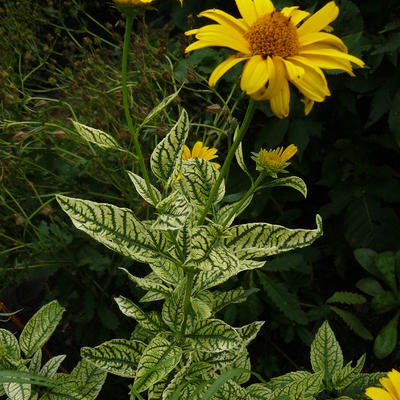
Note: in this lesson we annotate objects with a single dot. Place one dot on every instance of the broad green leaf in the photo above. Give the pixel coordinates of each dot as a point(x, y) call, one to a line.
point(384, 301)
point(141, 188)
point(168, 271)
point(158, 359)
point(369, 286)
point(360, 383)
point(116, 228)
point(97, 137)
point(130, 309)
point(197, 179)
point(166, 159)
point(386, 340)
point(213, 336)
point(346, 298)
point(291, 181)
point(258, 391)
point(159, 107)
point(172, 311)
point(223, 299)
point(117, 356)
point(353, 323)
point(385, 263)
point(40, 327)
point(344, 376)
point(9, 349)
point(366, 258)
point(173, 213)
point(151, 296)
point(326, 354)
point(36, 362)
point(261, 240)
point(150, 282)
point(248, 332)
point(51, 367)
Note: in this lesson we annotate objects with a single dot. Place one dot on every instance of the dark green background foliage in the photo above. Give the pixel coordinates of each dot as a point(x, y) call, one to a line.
point(61, 60)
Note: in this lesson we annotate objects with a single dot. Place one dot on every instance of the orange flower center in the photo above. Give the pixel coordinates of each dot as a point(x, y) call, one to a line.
point(273, 35)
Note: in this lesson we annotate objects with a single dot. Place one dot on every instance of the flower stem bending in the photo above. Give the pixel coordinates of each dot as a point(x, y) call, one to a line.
point(239, 137)
point(132, 130)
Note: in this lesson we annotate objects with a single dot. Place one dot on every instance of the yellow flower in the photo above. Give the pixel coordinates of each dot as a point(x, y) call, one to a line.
point(274, 161)
point(278, 47)
point(391, 385)
point(201, 151)
point(132, 2)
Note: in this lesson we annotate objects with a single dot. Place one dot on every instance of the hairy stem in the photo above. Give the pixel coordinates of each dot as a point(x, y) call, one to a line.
point(225, 167)
point(132, 130)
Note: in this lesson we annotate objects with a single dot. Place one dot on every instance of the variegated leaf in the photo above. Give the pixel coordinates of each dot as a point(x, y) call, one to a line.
point(142, 189)
point(223, 299)
point(150, 282)
point(248, 332)
point(287, 379)
point(177, 380)
point(242, 361)
point(230, 390)
point(218, 360)
point(172, 311)
point(159, 107)
point(156, 391)
point(36, 362)
point(130, 309)
point(51, 367)
point(326, 354)
point(117, 356)
point(166, 159)
point(141, 334)
point(213, 335)
point(168, 271)
point(97, 136)
point(151, 296)
point(17, 391)
point(173, 212)
point(214, 277)
point(40, 327)
point(344, 376)
point(258, 391)
point(292, 181)
point(116, 228)
point(9, 350)
point(226, 211)
point(360, 383)
point(197, 179)
point(201, 309)
point(261, 240)
point(158, 359)
point(184, 240)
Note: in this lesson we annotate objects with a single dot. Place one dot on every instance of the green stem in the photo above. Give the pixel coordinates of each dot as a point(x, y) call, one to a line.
point(186, 301)
point(252, 190)
point(133, 132)
point(225, 167)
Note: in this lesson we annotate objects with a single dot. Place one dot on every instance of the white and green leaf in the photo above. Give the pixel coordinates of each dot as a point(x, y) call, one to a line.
point(224, 298)
point(36, 362)
point(142, 189)
point(10, 352)
point(258, 240)
point(51, 367)
point(258, 391)
point(221, 216)
point(248, 332)
point(168, 271)
point(166, 159)
point(40, 327)
point(158, 359)
point(117, 228)
point(150, 282)
point(173, 308)
point(291, 181)
point(117, 356)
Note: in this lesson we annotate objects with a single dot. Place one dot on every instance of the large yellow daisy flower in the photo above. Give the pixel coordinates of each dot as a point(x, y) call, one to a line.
point(201, 151)
point(278, 47)
point(390, 390)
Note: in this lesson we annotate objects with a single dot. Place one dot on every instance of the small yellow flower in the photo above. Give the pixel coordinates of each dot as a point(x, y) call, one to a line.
point(274, 161)
point(390, 390)
point(201, 151)
point(277, 47)
point(132, 2)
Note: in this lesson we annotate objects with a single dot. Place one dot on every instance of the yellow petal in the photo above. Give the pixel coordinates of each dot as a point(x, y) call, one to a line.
point(280, 103)
point(334, 54)
point(330, 63)
point(186, 153)
point(222, 68)
point(197, 149)
point(394, 376)
point(298, 15)
point(388, 385)
point(378, 394)
point(247, 11)
point(294, 72)
point(325, 38)
point(308, 105)
point(263, 7)
point(320, 19)
point(216, 165)
point(254, 75)
point(277, 76)
point(224, 18)
point(289, 152)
